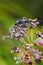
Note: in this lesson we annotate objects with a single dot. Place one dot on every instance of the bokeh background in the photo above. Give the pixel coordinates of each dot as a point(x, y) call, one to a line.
point(10, 11)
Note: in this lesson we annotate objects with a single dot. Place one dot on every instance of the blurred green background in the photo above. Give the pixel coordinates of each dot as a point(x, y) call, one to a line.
point(10, 11)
